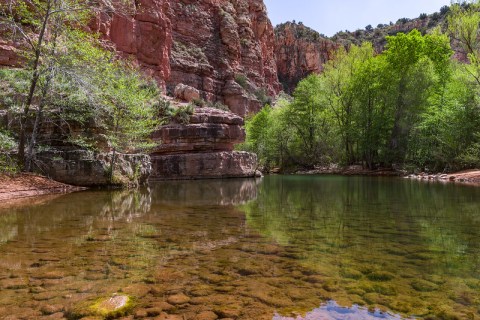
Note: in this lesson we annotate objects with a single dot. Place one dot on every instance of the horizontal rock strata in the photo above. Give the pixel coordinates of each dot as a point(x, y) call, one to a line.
point(212, 165)
point(203, 148)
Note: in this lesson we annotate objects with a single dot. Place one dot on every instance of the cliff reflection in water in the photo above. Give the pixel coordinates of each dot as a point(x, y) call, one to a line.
point(229, 192)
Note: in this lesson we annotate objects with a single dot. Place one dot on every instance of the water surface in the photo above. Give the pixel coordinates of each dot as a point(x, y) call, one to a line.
point(285, 247)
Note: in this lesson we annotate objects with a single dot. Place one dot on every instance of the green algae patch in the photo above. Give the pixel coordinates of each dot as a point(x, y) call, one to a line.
point(380, 276)
point(116, 306)
point(423, 285)
point(351, 273)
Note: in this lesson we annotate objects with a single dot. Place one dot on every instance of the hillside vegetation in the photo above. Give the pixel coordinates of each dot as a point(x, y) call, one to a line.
point(410, 107)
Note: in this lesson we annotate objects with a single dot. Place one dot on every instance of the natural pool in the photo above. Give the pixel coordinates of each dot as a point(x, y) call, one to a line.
point(276, 248)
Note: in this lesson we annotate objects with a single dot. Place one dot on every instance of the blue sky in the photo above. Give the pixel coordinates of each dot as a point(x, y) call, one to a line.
point(330, 16)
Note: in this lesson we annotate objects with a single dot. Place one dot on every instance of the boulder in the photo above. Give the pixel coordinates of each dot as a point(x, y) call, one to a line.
point(186, 93)
point(89, 169)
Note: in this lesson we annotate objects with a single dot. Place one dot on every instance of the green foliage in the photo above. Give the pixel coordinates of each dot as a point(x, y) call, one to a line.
point(209, 104)
point(410, 106)
point(263, 97)
point(242, 80)
point(269, 135)
point(7, 146)
point(71, 80)
point(182, 114)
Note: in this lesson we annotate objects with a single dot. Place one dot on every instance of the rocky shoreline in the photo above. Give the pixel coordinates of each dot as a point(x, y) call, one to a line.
point(471, 177)
point(466, 177)
point(30, 185)
point(349, 171)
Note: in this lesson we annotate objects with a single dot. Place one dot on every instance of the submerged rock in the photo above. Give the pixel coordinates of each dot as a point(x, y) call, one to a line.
point(178, 299)
point(117, 305)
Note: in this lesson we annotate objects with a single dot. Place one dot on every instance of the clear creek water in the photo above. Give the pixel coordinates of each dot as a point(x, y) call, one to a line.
point(283, 247)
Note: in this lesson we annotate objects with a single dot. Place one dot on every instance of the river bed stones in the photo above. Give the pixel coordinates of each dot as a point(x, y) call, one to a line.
point(248, 278)
point(178, 299)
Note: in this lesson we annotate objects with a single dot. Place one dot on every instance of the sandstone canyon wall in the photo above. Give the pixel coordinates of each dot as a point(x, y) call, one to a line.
point(300, 51)
point(207, 45)
point(204, 44)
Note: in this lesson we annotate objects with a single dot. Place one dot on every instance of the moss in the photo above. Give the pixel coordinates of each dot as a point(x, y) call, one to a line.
point(116, 306)
point(330, 286)
point(385, 290)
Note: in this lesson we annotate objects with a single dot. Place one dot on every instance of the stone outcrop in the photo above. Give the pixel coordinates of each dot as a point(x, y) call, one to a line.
point(300, 51)
point(209, 130)
point(89, 169)
point(8, 54)
point(203, 148)
point(210, 165)
point(202, 44)
point(186, 93)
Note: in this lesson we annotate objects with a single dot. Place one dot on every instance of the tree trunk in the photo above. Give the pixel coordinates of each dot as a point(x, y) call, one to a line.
point(33, 86)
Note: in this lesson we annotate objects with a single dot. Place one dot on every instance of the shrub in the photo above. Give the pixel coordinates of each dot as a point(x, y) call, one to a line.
point(182, 114)
point(218, 105)
point(242, 80)
point(7, 145)
point(263, 97)
point(199, 102)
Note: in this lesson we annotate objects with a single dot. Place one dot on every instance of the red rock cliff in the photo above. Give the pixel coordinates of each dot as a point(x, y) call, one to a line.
point(205, 44)
point(300, 51)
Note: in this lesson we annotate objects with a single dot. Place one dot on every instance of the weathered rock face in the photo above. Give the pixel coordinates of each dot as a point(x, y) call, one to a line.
point(147, 35)
point(8, 54)
point(203, 148)
point(211, 165)
point(209, 130)
point(89, 169)
point(300, 51)
point(202, 44)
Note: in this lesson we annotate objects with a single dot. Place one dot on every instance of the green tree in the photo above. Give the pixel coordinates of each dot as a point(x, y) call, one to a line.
point(41, 26)
point(413, 60)
point(340, 96)
point(269, 135)
point(308, 116)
